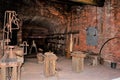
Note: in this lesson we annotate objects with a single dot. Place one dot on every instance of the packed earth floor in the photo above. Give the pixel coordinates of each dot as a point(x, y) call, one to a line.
point(32, 70)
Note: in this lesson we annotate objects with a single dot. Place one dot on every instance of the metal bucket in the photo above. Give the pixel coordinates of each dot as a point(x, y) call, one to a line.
point(113, 65)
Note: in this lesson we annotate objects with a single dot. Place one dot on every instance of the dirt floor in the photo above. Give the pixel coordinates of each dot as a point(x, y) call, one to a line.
point(32, 70)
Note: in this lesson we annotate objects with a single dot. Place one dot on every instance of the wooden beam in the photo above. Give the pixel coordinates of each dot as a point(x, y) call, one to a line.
point(99, 3)
point(86, 1)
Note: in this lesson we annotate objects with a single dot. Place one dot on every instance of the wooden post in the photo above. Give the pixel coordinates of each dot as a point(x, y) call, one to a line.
point(19, 71)
point(3, 73)
point(14, 73)
point(50, 64)
point(68, 38)
point(78, 61)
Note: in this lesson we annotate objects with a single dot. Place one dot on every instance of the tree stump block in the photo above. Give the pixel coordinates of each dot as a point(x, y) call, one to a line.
point(78, 61)
point(50, 64)
point(40, 57)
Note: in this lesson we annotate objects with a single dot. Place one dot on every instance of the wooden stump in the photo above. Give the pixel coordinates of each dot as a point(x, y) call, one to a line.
point(50, 64)
point(94, 59)
point(40, 58)
point(78, 61)
point(4, 70)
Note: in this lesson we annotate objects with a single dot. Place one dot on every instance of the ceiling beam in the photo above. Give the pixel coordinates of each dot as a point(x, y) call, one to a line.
point(99, 3)
point(92, 2)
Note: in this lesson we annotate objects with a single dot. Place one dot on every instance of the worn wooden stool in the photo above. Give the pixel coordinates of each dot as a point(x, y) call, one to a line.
point(78, 61)
point(50, 64)
point(94, 58)
point(10, 64)
point(9, 74)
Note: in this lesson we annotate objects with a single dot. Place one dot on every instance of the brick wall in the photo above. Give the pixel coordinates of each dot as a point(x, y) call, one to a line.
point(106, 20)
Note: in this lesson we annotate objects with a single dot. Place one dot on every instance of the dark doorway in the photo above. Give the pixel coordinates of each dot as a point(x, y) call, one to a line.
point(13, 35)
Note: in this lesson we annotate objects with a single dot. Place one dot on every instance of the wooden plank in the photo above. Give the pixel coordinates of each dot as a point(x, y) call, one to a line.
point(19, 71)
point(14, 73)
point(46, 68)
point(11, 64)
point(85, 1)
point(3, 73)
